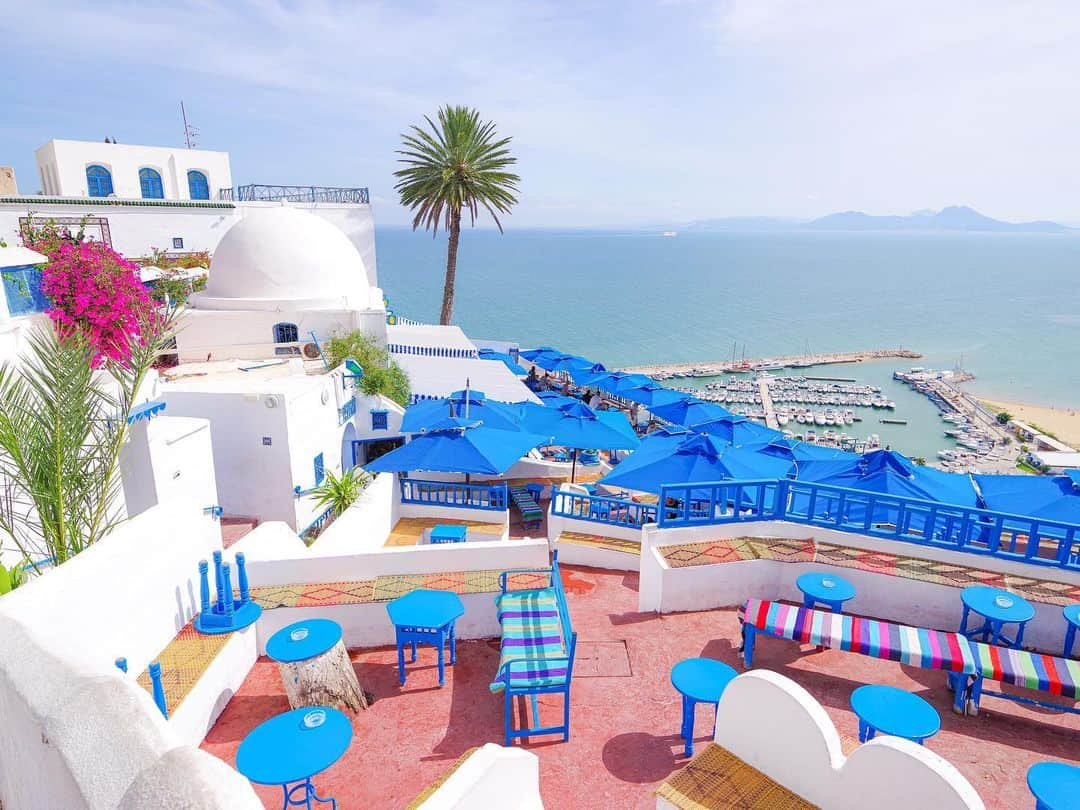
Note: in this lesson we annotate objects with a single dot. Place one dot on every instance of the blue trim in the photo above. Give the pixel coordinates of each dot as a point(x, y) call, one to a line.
point(347, 411)
point(318, 522)
point(150, 184)
point(432, 351)
point(146, 411)
point(320, 469)
point(286, 333)
point(198, 185)
point(911, 520)
point(22, 289)
point(379, 419)
point(489, 497)
point(98, 181)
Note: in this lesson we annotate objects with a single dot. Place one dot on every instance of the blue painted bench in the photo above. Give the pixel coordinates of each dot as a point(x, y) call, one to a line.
point(537, 650)
point(967, 663)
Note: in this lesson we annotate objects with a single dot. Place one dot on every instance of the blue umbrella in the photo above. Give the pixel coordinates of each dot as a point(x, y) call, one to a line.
point(689, 412)
point(794, 450)
point(553, 399)
point(563, 362)
point(695, 459)
point(651, 395)
point(1040, 496)
point(492, 413)
point(507, 360)
point(737, 430)
point(459, 445)
point(590, 375)
point(532, 354)
point(620, 382)
point(578, 426)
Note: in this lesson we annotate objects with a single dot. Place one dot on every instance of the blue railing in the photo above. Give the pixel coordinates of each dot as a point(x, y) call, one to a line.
point(926, 523)
point(303, 194)
point(491, 497)
point(317, 524)
point(601, 509)
point(347, 411)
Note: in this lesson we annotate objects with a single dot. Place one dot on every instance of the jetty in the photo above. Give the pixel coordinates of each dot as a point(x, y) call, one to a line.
point(663, 371)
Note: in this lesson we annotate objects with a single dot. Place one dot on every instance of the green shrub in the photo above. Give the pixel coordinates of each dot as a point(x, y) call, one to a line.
point(381, 374)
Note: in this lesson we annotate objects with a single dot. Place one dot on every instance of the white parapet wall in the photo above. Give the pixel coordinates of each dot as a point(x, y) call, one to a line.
point(777, 727)
point(492, 776)
point(77, 732)
point(896, 598)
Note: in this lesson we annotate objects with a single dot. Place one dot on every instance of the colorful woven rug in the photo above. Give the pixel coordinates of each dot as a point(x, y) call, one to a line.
point(612, 543)
point(183, 662)
point(716, 778)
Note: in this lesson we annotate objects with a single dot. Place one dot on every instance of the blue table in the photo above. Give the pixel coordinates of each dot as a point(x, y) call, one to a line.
point(447, 533)
point(826, 589)
point(998, 607)
point(1055, 785)
point(698, 680)
point(895, 712)
point(425, 617)
point(303, 640)
point(296, 647)
point(291, 748)
point(1072, 621)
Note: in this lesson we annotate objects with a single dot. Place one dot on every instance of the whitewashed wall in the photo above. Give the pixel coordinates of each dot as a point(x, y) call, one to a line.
point(776, 726)
point(168, 457)
point(492, 776)
point(78, 733)
point(894, 598)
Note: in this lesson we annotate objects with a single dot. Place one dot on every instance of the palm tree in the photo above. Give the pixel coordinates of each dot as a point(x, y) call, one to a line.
point(457, 164)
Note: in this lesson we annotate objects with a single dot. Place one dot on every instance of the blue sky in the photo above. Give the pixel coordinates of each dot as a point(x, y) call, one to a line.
point(622, 113)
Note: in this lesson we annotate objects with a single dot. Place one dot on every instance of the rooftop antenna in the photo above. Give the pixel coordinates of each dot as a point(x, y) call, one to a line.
point(191, 134)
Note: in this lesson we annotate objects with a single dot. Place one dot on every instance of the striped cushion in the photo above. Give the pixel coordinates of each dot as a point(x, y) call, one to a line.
point(530, 630)
point(915, 646)
point(526, 504)
point(1046, 673)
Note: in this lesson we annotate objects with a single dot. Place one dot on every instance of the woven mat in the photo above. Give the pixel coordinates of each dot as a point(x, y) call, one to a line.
point(438, 783)
point(460, 582)
point(319, 594)
point(612, 543)
point(716, 779)
point(183, 662)
point(710, 552)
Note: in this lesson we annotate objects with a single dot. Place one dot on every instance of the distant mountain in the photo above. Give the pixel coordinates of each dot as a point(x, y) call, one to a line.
point(953, 218)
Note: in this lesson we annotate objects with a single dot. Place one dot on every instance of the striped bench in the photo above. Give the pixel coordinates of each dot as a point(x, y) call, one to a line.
point(968, 664)
point(536, 651)
point(531, 513)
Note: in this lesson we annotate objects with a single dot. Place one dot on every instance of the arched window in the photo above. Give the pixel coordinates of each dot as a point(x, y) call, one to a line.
point(198, 187)
point(98, 181)
point(286, 333)
point(150, 183)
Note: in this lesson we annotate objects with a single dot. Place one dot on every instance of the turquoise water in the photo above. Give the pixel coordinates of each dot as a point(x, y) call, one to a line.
point(1007, 304)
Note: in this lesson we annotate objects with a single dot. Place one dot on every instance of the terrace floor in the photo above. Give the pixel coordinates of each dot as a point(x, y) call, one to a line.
point(625, 716)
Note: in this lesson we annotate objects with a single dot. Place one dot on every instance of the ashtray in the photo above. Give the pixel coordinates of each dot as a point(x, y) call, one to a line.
point(314, 719)
point(828, 583)
point(1003, 601)
point(299, 634)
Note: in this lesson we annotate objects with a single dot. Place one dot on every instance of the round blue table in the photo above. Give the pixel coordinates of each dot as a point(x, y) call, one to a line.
point(699, 680)
point(998, 607)
point(1072, 621)
point(1055, 785)
point(306, 652)
point(425, 617)
point(826, 589)
point(303, 640)
point(291, 748)
point(895, 712)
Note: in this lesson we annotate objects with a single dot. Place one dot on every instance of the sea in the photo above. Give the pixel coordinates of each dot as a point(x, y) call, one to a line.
point(1005, 307)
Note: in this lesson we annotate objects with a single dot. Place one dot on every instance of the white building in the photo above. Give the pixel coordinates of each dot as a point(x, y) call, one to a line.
point(21, 299)
point(135, 198)
point(280, 276)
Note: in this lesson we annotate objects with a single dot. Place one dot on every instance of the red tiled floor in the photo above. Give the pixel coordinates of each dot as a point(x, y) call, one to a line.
point(624, 738)
point(234, 528)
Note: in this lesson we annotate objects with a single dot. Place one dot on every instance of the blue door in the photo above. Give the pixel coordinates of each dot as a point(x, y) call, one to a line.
point(150, 184)
point(198, 186)
point(98, 181)
point(22, 288)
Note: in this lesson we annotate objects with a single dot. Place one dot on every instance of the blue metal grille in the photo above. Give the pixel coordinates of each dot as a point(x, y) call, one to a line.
point(320, 469)
point(379, 420)
point(98, 181)
point(150, 183)
point(286, 333)
point(22, 288)
point(198, 187)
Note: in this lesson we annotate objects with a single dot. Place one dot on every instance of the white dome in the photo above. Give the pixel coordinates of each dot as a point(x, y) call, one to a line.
point(283, 255)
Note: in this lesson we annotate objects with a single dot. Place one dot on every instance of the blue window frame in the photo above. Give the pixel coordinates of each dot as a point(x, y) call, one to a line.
point(320, 469)
point(378, 419)
point(22, 288)
point(98, 181)
point(150, 183)
point(198, 186)
point(286, 333)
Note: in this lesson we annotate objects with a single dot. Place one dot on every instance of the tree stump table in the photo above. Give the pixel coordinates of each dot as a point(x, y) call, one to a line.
point(315, 666)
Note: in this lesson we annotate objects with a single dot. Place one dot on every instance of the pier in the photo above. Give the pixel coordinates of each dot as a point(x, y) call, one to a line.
point(767, 403)
point(711, 369)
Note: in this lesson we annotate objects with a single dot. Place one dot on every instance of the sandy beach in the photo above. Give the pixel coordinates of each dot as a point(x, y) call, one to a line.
point(1064, 423)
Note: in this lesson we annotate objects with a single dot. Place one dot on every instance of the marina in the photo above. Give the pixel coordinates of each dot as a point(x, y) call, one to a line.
point(744, 365)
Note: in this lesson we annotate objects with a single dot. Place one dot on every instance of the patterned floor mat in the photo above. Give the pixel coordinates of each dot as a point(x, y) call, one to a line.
point(612, 543)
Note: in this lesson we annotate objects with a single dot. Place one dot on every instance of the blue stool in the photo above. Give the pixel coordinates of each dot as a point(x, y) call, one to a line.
point(1055, 785)
point(425, 616)
point(699, 680)
point(894, 712)
point(998, 607)
point(826, 589)
point(1072, 621)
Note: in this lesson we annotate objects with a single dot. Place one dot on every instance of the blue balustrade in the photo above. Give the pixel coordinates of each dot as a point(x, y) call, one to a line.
point(317, 524)
point(912, 520)
point(347, 411)
point(601, 509)
point(491, 497)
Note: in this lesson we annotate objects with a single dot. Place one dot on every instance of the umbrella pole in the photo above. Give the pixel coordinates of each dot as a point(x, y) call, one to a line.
point(573, 464)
